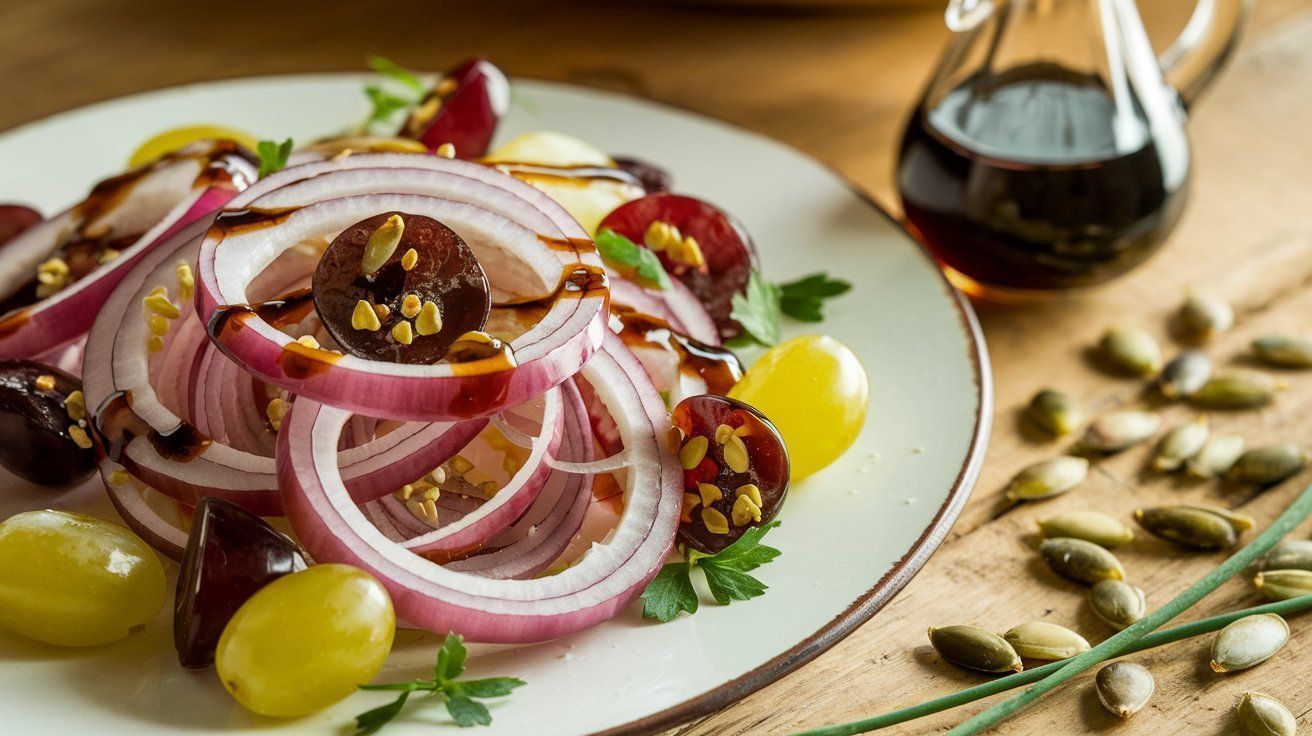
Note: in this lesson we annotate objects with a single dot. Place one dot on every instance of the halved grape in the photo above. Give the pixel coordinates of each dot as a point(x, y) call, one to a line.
point(230, 556)
point(654, 178)
point(735, 470)
point(463, 109)
point(43, 432)
point(714, 266)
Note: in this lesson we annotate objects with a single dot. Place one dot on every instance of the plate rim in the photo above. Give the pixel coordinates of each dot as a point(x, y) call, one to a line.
point(866, 605)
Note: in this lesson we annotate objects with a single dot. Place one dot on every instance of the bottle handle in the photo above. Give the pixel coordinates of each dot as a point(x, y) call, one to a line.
point(1206, 44)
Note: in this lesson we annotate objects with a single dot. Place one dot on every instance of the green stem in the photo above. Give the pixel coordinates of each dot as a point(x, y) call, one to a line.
point(1297, 512)
point(1003, 684)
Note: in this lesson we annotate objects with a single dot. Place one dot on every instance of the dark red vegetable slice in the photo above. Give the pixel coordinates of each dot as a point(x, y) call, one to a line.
point(444, 273)
point(735, 470)
point(723, 243)
point(463, 109)
point(654, 179)
point(231, 554)
point(14, 219)
point(39, 430)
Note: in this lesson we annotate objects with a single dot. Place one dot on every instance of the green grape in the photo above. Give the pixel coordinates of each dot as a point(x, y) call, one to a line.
point(75, 580)
point(306, 640)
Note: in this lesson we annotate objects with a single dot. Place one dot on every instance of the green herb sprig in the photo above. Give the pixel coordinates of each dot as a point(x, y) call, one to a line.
point(758, 309)
point(671, 591)
point(408, 90)
point(273, 156)
point(459, 695)
point(632, 260)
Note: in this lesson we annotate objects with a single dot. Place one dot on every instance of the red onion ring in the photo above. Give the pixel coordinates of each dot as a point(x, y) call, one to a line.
point(333, 529)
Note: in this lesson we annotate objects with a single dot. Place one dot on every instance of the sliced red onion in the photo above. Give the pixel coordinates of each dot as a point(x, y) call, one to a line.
point(675, 305)
point(334, 529)
point(506, 222)
point(167, 538)
point(160, 200)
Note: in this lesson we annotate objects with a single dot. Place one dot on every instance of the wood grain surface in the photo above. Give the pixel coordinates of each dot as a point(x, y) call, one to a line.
point(837, 85)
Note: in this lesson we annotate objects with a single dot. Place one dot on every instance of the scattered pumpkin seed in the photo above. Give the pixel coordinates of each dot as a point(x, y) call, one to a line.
point(1280, 585)
point(1054, 412)
point(382, 244)
point(1216, 458)
point(1183, 376)
point(1124, 688)
point(1268, 465)
point(1260, 714)
point(1118, 603)
point(1081, 561)
point(1048, 478)
point(1291, 554)
point(1238, 388)
point(1248, 642)
point(1283, 352)
point(1203, 316)
point(1045, 641)
point(1118, 430)
point(975, 648)
point(1189, 526)
point(1091, 526)
point(1182, 443)
point(1131, 350)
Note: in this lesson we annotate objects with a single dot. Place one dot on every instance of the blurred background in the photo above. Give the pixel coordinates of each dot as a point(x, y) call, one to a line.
point(834, 78)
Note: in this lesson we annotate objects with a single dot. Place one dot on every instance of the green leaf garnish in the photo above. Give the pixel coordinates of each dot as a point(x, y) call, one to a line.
point(395, 71)
point(803, 299)
point(273, 156)
point(671, 591)
point(459, 696)
point(632, 260)
point(385, 104)
point(757, 310)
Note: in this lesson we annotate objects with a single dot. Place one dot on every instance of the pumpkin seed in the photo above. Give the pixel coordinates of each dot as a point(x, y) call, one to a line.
point(1260, 714)
point(1216, 458)
point(1184, 375)
point(1248, 642)
point(1280, 585)
point(1124, 688)
point(1291, 554)
point(1045, 641)
point(1268, 465)
point(1204, 315)
point(1118, 603)
point(1048, 478)
point(1238, 388)
point(1091, 526)
point(1120, 429)
point(1081, 561)
point(1182, 443)
point(974, 648)
point(1054, 412)
point(1283, 352)
point(1190, 526)
point(1131, 350)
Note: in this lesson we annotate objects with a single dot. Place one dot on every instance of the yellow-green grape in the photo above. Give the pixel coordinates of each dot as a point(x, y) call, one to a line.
point(74, 580)
point(306, 640)
point(815, 392)
point(174, 139)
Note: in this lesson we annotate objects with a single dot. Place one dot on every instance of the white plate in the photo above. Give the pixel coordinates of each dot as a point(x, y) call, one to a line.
point(852, 536)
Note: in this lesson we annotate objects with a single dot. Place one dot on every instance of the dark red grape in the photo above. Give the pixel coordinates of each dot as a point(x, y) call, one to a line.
point(43, 438)
point(463, 109)
point(653, 178)
point(230, 555)
point(445, 273)
point(726, 249)
point(14, 219)
point(735, 470)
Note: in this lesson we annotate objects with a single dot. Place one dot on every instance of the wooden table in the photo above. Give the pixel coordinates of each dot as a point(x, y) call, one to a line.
point(838, 85)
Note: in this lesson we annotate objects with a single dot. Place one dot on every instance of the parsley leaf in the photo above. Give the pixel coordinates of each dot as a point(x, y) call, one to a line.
point(757, 310)
point(385, 104)
point(671, 591)
point(460, 703)
point(393, 70)
point(803, 299)
point(632, 260)
point(273, 156)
